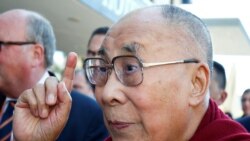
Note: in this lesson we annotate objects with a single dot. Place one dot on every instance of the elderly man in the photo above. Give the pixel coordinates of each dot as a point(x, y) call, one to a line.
point(81, 84)
point(27, 46)
point(151, 81)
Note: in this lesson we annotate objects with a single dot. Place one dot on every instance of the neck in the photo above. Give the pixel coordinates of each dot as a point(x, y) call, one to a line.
point(196, 118)
point(28, 82)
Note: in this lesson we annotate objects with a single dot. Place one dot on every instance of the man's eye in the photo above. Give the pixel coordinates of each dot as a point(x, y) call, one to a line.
point(243, 100)
point(102, 69)
point(130, 68)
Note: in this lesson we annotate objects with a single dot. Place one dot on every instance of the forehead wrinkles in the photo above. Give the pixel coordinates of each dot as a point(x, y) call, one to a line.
point(148, 43)
point(151, 34)
point(127, 48)
point(132, 40)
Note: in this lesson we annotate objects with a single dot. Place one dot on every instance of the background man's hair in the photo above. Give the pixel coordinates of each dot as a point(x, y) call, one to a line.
point(246, 92)
point(41, 31)
point(221, 74)
point(98, 31)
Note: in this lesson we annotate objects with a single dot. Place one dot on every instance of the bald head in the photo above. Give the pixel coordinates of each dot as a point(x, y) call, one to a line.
point(15, 19)
point(195, 29)
point(34, 27)
point(167, 17)
point(14, 15)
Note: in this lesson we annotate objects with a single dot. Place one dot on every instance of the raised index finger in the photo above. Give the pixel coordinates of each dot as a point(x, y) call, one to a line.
point(69, 71)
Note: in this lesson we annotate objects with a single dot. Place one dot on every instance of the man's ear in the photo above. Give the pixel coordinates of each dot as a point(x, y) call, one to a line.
point(38, 55)
point(223, 97)
point(200, 83)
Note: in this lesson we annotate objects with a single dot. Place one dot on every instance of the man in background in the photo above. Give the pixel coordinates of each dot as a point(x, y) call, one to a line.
point(81, 84)
point(245, 104)
point(27, 46)
point(94, 44)
point(218, 84)
point(95, 41)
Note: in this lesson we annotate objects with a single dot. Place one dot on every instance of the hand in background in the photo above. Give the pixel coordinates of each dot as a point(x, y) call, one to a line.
point(42, 112)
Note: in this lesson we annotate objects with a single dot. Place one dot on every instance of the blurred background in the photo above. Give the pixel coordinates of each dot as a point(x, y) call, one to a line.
point(227, 20)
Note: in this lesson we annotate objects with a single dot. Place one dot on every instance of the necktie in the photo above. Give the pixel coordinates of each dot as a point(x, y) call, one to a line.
point(6, 122)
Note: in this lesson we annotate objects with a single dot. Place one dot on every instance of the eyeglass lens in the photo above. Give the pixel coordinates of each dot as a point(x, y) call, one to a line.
point(127, 69)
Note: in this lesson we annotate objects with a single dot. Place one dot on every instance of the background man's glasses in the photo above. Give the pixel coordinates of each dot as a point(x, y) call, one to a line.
point(128, 69)
point(8, 43)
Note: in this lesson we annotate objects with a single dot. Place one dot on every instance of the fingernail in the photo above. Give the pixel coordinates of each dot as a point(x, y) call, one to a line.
point(51, 98)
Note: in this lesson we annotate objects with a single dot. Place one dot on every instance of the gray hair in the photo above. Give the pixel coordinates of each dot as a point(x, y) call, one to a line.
point(41, 31)
point(194, 27)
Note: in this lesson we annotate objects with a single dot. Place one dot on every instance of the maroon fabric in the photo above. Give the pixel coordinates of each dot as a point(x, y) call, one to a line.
point(216, 126)
point(108, 139)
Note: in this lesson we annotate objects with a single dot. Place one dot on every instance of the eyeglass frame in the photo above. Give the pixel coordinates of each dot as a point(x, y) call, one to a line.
point(110, 66)
point(20, 43)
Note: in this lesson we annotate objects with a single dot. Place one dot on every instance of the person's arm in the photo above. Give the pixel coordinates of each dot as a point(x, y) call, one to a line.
point(42, 112)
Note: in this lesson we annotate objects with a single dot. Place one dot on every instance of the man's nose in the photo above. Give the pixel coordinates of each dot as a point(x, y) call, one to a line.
point(113, 93)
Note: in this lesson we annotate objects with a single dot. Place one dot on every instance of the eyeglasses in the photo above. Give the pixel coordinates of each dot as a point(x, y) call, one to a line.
point(2, 43)
point(128, 69)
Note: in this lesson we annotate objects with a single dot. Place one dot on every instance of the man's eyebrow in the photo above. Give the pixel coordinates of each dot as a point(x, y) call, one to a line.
point(127, 48)
point(102, 51)
point(131, 47)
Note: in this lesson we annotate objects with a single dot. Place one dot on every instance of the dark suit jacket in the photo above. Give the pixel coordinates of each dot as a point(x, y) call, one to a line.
point(245, 121)
point(85, 121)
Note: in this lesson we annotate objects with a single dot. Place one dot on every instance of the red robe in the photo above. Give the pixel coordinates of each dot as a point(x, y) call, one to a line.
point(216, 126)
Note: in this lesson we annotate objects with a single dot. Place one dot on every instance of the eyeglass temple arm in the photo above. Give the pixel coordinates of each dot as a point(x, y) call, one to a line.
point(171, 62)
point(191, 61)
point(16, 43)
